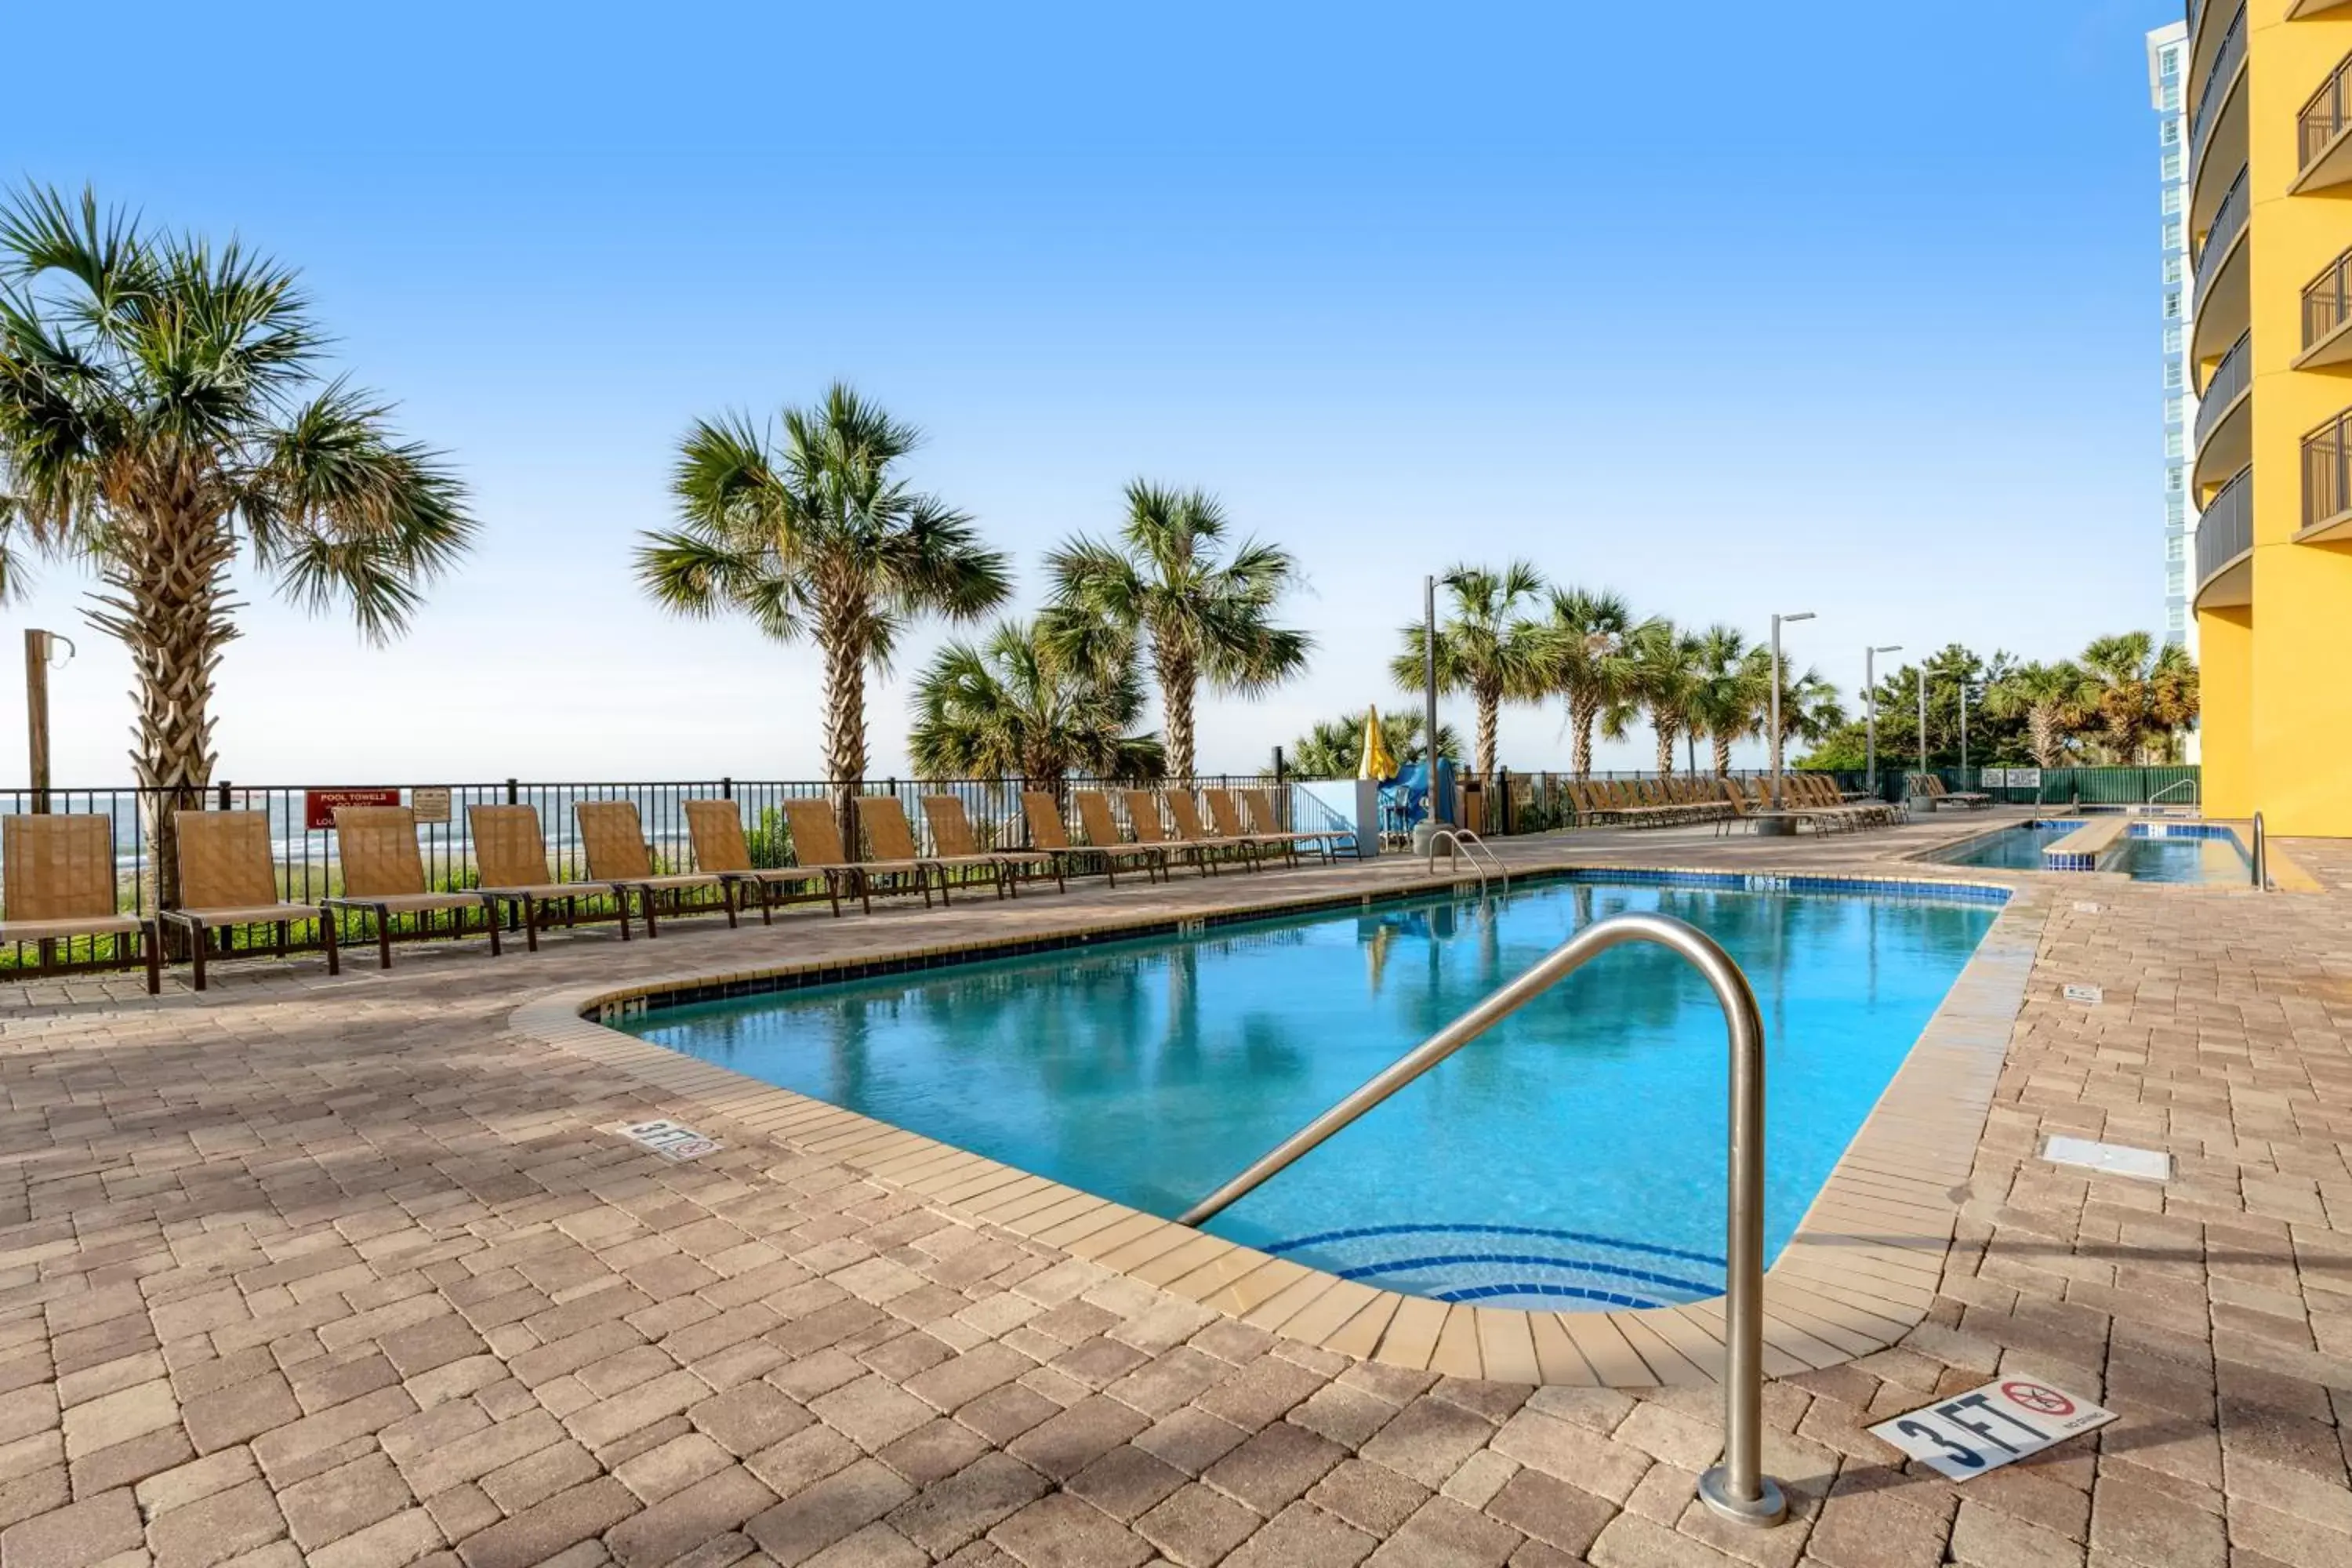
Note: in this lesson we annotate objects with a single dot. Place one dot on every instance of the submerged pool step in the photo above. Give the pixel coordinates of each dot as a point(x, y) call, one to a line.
point(1511, 1266)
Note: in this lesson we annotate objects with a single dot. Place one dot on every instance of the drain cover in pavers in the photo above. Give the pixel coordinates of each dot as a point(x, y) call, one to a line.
point(2114, 1159)
point(670, 1140)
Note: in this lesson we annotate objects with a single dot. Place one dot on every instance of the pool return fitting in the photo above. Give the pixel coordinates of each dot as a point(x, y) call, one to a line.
point(1736, 1489)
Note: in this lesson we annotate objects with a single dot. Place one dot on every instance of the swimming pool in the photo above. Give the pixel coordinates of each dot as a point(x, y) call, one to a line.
point(1572, 1157)
point(2151, 852)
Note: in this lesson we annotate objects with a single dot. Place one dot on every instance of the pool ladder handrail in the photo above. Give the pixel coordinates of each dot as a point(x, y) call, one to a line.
point(2260, 857)
point(1737, 1489)
point(2190, 784)
point(1460, 844)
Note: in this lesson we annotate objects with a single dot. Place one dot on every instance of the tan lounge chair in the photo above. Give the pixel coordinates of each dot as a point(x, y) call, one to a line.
point(951, 831)
point(1747, 813)
point(614, 839)
point(383, 876)
point(56, 876)
point(511, 862)
point(1226, 820)
point(1190, 829)
point(1143, 821)
point(715, 826)
point(892, 836)
point(1266, 818)
point(816, 845)
point(228, 880)
point(1102, 829)
point(1047, 832)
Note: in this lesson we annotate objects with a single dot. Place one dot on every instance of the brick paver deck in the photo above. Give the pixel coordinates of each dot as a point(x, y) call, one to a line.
point(350, 1273)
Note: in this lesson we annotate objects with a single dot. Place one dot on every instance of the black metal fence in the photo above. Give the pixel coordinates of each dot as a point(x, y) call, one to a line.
point(309, 871)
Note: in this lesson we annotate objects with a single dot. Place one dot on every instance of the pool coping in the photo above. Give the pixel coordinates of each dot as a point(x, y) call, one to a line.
point(1855, 1276)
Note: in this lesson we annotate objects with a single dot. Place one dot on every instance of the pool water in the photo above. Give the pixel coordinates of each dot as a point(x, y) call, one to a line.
point(1572, 1157)
point(2152, 852)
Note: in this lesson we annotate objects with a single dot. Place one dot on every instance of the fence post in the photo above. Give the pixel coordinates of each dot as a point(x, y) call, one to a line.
point(514, 795)
point(1278, 765)
point(727, 789)
point(1503, 807)
point(223, 794)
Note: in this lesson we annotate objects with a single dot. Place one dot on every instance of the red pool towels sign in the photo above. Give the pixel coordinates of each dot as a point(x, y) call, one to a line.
point(1987, 1427)
point(318, 804)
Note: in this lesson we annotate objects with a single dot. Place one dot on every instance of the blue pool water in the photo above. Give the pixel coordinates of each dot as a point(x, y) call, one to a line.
point(1573, 1157)
point(2153, 852)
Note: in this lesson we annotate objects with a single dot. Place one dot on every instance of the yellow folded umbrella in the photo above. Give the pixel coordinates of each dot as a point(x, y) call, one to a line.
point(1379, 763)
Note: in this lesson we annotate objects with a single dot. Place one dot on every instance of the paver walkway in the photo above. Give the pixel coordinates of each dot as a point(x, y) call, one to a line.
point(348, 1273)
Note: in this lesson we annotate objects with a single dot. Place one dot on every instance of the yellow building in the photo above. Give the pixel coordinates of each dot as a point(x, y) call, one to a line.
point(2268, 89)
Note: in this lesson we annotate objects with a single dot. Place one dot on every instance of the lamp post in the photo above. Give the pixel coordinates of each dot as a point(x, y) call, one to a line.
point(1964, 730)
point(1870, 725)
point(1923, 719)
point(1426, 828)
point(1799, 615)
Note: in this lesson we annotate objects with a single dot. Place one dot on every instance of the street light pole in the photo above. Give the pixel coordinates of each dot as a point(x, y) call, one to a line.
point(1870, 692)
point(1798, 616)
point(1429, 685)
point(1964, 730)
point(1923, 719)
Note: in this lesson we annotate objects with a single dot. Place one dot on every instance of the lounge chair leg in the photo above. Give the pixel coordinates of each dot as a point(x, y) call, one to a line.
point(383, 935)
point(621, 899)
point(489, 919)
point(334, 957)
point(728, 894)
point(530, 922)
point(865, 891)
point(281, 933)
point(197, 949)
point(151, 938)
point(925, 880)
point(650, 899)
point(767, 902)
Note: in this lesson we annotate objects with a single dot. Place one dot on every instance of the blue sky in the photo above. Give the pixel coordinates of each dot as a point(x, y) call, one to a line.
point(1855, 313)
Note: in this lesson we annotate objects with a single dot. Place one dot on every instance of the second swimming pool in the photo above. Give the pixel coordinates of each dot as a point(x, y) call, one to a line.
point(1573, 1157)
point(2151, 852)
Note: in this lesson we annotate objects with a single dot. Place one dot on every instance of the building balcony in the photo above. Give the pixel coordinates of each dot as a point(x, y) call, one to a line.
point(2224, 432)
point(2328, 316)
point(2302, 8)
point(2218, 85)
point(2327, 482)
point(2323, 133)
point(2220, 300)
point(2225, 547)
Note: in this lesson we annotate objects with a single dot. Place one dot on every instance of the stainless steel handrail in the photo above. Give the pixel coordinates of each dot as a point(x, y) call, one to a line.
point(2261, 856)
point(1737, 1489)
point(1462, 842)
point(2190, 784)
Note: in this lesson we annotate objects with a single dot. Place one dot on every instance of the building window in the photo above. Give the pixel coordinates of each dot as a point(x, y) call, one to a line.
point(2172, 340)
point(2172, 268)
point(2172, 198)
point(2172, 304)
point(2171, 104)
point(2175, 511)
point(2172, 411)
point(2171, 131)
point(2171, 165)
point(2172, 373)
point(2172, 479)
point(2172, 443)
point(2175, 548)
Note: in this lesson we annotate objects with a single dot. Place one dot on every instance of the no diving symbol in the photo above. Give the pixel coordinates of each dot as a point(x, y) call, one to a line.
point(2039, 1399)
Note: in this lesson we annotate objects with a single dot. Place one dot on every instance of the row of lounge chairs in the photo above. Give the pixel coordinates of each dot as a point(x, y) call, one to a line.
point(1806, 798)
point(61, 874)
point(1928, 786)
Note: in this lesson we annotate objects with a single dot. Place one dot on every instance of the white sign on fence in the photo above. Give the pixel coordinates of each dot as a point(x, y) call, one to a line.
point(2025, 778)
point(1987, 1427)
point(671, 1140)
point(429, 805)
point(1992, 778)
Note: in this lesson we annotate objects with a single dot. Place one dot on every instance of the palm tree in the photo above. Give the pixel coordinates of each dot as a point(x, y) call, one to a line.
point(1334, 748)
point(2050, 697)
point(1591, 659)
point(1199, 612)
point(1669, 684)
point(1484, 647)
point(1724, 701)
point(2175, 698)
point(2121, 675)
point(1013, 706)
point(814, 534)
point(162, 415)
point(1809, 708)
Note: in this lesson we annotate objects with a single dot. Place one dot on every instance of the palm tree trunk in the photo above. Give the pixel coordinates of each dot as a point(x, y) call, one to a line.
point(1490, 705)
point(1722, 744)
point(844, 713)
point(2042, 734)
point(165, 603)
point(1666, 734)
point(1177, 682)
point(1581, 712)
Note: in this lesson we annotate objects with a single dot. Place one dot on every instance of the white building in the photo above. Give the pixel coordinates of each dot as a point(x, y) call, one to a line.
point(2168, 57)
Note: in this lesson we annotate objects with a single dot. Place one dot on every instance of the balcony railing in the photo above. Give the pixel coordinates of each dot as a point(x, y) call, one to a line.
point(2326, 486)
point(2327, 301)
point(2229, 379)
point(2323, 117)
point(2226, 531)
point(2228, 219)
point(2217, 76)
